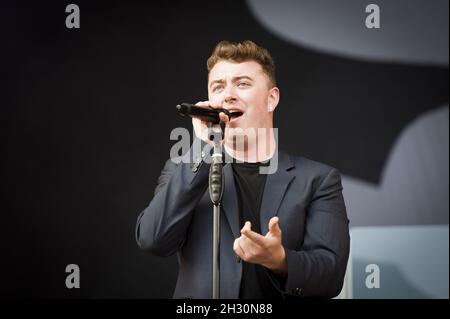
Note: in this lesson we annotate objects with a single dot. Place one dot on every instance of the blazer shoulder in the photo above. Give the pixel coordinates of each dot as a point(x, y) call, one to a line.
point(313, 174)
point(312, 168)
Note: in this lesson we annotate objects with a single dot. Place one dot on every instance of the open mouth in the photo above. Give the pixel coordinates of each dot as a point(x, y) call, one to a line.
point(235, 114)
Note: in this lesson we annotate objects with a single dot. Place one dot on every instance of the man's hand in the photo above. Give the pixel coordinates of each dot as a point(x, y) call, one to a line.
point(201, 127)
point(264, 250)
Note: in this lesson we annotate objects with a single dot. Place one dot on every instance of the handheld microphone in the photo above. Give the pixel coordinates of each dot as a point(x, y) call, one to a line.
point(204, 114)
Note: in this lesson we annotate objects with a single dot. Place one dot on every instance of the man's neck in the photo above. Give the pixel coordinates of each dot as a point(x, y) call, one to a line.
point(253, 150)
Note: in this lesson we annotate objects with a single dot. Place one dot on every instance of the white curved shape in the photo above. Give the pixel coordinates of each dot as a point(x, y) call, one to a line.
point(415, 180)
point(411, 31)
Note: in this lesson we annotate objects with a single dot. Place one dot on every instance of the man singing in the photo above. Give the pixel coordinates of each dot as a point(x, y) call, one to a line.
point(282, 234)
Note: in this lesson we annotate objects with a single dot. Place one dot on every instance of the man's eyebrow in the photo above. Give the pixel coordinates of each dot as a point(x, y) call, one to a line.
point(216, 81)
point(236, 78)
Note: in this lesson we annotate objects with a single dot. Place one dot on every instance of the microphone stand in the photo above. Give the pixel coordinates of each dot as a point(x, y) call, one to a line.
point(216, 186)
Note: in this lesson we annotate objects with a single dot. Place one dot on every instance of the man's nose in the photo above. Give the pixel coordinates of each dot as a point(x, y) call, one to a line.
point(229, 95)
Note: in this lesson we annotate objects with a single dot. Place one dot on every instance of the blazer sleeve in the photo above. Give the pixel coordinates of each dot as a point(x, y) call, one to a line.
point(161, 227)
point(318, 269)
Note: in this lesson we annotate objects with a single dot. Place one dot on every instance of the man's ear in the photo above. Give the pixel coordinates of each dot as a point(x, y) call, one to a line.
point(273, 99)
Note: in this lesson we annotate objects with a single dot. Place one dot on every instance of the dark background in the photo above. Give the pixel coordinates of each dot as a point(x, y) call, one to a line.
point(87, 113)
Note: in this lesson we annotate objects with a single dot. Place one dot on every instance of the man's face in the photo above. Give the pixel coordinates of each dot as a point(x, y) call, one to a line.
point(242, 87)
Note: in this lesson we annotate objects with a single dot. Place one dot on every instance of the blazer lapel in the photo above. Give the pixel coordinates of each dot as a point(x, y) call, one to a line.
point(276, 186)
point(230, 201)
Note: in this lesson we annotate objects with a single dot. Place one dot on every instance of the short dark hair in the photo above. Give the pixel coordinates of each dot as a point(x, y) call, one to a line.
point(241, 52)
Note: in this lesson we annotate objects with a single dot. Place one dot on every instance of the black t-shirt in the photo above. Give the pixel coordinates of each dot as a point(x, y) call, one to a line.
point(250, 185)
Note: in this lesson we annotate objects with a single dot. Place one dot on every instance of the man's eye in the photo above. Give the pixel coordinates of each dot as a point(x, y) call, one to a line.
point(217, 88)
point(243, 84)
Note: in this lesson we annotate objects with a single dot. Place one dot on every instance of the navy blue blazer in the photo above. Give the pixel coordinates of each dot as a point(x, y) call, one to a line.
point(305, 195)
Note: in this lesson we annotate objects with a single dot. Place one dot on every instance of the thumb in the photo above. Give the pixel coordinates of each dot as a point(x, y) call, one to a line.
point(274, 226)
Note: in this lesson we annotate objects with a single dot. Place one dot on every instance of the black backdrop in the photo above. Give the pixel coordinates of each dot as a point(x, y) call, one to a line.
point(87, 113)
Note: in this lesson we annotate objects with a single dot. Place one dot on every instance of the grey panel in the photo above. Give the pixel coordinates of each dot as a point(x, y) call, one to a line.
point(412, 261)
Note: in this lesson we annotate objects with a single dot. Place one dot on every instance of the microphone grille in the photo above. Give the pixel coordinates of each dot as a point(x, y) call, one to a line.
point(182, 109)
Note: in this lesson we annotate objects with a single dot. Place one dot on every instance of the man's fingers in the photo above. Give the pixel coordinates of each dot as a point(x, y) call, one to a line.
point(274, 226)
point(224, 118)
point(238, 249)
point(247, 232)
point(247, 226)
point(254, 237)
point(202, 103)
